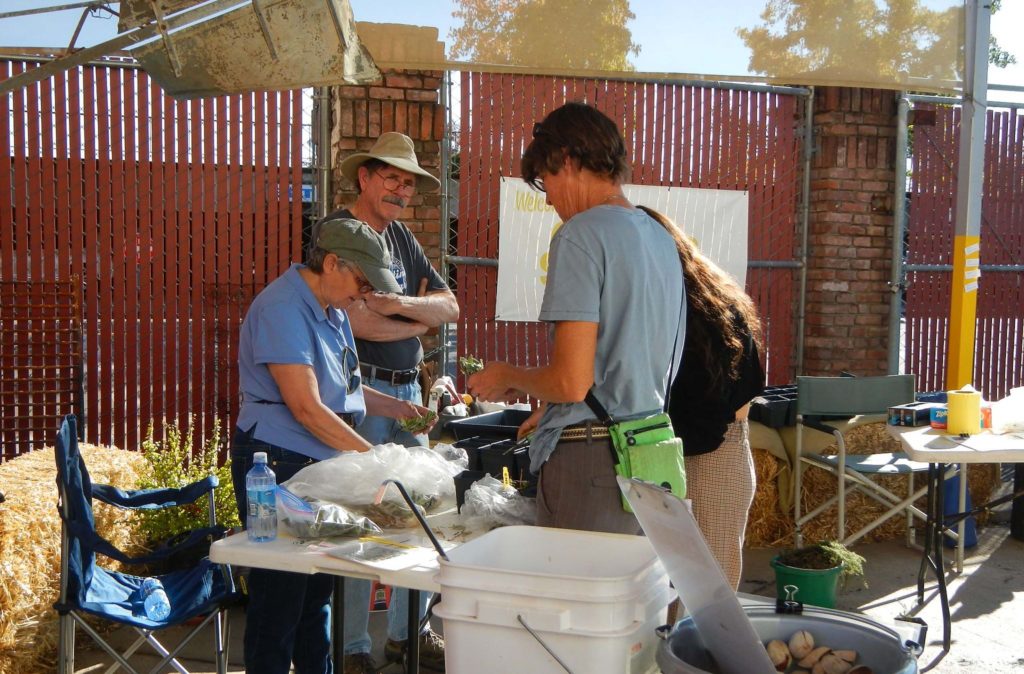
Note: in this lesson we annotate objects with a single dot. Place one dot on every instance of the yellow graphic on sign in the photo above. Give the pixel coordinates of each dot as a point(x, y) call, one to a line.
point(543, 260)
point(530, 201)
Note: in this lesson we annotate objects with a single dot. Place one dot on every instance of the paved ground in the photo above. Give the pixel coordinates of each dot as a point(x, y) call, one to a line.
point(987, 602)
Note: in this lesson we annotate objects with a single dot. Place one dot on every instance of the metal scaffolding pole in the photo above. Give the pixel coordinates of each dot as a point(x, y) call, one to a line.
point(967, 238)
point(899, 227)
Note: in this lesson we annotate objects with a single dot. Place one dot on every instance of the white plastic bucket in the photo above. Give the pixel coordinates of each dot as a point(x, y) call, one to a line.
point(594, 599)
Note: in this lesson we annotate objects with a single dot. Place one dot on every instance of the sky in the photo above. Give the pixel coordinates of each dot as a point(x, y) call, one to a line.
point(693, 36)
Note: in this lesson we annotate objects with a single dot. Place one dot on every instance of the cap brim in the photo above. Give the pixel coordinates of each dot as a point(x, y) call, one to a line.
point(381, 279)
point(350, 169)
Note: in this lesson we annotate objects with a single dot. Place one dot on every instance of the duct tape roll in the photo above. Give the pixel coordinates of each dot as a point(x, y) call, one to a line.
point(964, 414)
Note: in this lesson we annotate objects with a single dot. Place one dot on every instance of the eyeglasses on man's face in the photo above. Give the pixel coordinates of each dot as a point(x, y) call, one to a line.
point(393, 183)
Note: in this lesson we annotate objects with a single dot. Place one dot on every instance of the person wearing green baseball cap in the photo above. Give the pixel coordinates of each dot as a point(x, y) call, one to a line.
point(302, 400)
point(388, 327)
point(355, 243)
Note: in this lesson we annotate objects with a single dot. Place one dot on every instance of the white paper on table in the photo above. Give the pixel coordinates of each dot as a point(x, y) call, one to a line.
point(391, 553)
point(706, 594)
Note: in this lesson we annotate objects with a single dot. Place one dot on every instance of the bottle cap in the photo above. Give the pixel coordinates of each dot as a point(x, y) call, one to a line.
point(259, 457)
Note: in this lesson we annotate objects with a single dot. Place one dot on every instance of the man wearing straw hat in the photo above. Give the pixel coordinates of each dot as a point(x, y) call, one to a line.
point(387, 327)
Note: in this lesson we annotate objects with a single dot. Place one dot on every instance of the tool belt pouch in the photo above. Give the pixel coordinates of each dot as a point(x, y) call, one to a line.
point(647, 449)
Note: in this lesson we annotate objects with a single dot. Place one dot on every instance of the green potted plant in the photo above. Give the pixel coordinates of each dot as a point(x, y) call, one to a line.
point(173, 463)
point(816, 571)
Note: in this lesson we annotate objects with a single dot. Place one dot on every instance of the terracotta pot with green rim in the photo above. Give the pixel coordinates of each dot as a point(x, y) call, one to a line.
point(817, 587)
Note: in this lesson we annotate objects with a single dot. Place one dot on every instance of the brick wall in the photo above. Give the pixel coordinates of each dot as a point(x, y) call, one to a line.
point(404, 101)
point(850, 237)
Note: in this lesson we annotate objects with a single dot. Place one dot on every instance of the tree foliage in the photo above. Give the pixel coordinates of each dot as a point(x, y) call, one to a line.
point(846, 37)
point(998, 56)
point(545, 33)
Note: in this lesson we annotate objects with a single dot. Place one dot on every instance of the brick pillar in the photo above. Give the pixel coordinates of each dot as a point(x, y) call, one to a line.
point(404, 101)
point(850, 235)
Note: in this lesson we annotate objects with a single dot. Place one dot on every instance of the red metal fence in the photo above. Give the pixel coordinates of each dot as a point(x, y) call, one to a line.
point(171, 213)
point(40, 359)
point(676, 135)
point(999, 347)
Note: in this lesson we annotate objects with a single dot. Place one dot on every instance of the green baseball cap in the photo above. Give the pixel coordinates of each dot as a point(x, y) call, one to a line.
point(355, 242)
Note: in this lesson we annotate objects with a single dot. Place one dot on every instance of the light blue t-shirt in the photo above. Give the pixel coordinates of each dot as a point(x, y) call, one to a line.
point(286, 325)
point(619, 268)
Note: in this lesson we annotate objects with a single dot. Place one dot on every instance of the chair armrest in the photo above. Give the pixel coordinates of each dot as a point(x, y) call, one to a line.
point(817, 424)
point(154, 499)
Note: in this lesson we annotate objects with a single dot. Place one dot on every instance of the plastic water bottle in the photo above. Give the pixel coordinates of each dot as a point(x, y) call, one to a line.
point(154, 600)
point(261, 492)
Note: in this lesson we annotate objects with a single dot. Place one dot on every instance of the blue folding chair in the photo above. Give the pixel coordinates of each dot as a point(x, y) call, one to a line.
point(86, 588)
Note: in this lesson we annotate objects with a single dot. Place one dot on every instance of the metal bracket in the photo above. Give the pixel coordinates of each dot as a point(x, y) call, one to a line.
point(161, 27)
point(264, 28)
point(337, 23)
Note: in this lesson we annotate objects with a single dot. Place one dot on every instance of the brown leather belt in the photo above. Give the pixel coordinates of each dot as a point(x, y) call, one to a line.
point(393, 377)
point(588, 430)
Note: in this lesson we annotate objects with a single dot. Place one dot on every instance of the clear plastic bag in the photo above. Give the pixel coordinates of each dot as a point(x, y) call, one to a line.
point(489, 504)
point(316, 519)
point(453, 454)
point(1008, 413)
point(353, 479)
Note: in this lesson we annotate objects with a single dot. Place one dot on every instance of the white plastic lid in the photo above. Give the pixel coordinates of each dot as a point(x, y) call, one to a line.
point(259, 457)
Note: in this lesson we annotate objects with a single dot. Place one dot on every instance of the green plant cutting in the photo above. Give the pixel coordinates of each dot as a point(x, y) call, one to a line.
point(173, 463)
point(418, 424)
point(826, 555)
point(470, 364)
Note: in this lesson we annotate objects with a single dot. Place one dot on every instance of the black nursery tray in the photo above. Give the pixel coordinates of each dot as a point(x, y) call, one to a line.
point(499, 425)
point(776, 407)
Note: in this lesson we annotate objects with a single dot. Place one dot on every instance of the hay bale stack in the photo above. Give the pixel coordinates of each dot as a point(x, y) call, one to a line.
point(769, 527)
point(766, 523)
point(30, 548)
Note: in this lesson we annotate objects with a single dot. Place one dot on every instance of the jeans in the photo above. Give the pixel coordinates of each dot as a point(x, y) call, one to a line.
point(376, 431)
point(288, 617)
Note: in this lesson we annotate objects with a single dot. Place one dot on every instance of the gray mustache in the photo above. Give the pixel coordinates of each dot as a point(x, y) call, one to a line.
point(394, 200)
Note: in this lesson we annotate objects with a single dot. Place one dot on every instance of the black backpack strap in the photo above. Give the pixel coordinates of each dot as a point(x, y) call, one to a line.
point(597, 408)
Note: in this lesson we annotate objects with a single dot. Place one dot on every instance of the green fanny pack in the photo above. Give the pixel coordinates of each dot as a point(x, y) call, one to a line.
point(646, 449)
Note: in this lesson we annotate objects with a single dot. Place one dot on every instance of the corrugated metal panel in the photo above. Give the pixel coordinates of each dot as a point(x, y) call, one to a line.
point(999, 342)
point(40, 360)
point(154, 205)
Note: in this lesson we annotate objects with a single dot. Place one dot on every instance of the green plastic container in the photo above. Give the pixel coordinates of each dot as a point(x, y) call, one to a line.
point(815, 586)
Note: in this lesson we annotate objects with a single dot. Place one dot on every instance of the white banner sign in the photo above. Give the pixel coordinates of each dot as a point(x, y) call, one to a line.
point(715, 219)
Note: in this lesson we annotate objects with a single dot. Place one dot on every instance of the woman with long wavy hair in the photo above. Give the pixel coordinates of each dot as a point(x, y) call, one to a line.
point(710, 397)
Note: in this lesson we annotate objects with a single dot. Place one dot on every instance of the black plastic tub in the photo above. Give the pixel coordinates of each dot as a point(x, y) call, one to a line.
point(463, 481)
point(472, 446)
point(499, 455)
point(497, 425)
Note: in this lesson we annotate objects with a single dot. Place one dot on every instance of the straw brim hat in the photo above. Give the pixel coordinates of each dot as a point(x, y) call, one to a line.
point(395, 149)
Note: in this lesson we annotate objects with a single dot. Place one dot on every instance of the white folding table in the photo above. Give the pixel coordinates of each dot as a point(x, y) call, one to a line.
point(286, 553)
point(940, 450)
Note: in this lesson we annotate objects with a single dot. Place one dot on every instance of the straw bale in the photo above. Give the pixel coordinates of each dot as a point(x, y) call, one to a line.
point(768, 526)
point(30, 548)
point(765, 523)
